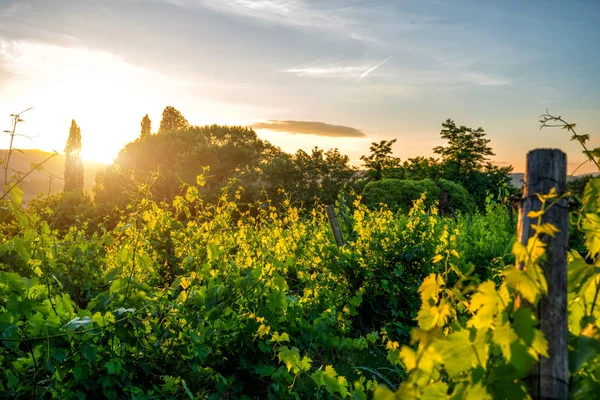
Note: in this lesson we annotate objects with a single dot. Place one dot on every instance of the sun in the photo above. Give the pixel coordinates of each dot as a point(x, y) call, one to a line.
point(104, 94)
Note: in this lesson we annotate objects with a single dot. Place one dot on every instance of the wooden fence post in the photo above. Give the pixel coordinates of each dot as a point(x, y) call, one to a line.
point(547, 169)
point(335, 226)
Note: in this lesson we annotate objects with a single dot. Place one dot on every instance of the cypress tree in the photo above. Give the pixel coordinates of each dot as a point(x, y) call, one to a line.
point(172, 120)
point(73, 163)
point(146, 127)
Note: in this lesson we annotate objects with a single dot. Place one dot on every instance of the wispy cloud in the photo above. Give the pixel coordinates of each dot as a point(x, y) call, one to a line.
point(293, 13)
point(310, 128)
point(349, 70)
point(367, 72)
point(13, 10)
point(326, 72)
point(436, 74)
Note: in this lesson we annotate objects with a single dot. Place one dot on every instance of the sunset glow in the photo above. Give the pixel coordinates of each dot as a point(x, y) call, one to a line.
point(363, 79)
point(299, 199)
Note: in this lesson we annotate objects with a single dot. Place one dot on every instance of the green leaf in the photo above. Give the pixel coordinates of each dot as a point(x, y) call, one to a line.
point(77, 322)
point(187, 390)
point(463, 350)
point(484, 304)
point(113, 366)
point(430, 288)
point(277, 301)
point(504, 336)
point(578, 272)
point(21, 249)
point(78, 373)
point(289, 357)
point(284, 337)
point(503, 382)
point(586, 347)
point(332, 382)
point(16, 196)
point(435, 391)
point(591, 227)
point(383, 393)
point(591, 195)
point(531, 283)
point(478, 392)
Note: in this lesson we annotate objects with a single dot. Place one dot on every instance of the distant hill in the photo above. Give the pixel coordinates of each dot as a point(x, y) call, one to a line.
point(38, 181)
point(517, 179)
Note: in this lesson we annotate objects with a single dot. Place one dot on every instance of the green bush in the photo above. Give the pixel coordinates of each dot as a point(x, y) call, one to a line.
point(399, 195)
point(457, 196)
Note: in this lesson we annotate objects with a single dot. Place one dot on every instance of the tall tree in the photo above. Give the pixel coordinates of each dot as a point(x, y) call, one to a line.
point(146, 127)
point(172, 120)
point(465, 160)
point(467, 149)
point(380, 159)
point(73, 163)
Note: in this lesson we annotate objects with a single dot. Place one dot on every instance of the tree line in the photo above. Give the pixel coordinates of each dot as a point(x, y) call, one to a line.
point(235, 160)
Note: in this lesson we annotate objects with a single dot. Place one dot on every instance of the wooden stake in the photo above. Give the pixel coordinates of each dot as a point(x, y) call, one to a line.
point(335, 226)
point(547, 169)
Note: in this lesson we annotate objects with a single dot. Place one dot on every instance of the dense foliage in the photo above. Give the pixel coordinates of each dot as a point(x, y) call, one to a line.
point(464, 160)
point(191, 299)
point(400, 195)
point(207, 290)
point(224, 154)
point(478, 340)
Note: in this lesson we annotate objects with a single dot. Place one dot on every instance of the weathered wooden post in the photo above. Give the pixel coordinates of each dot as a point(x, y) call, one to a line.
point(335, 226)
point(547, 169)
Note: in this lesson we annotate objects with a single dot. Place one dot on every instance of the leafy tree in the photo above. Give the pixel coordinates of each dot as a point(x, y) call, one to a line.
point(418, 168)
point(467, 149)
point(146, 127)
point(465, 160)
point(380, 159)
point(73, 163)
point(172, 120)
point(321, 174)
point(177, 157)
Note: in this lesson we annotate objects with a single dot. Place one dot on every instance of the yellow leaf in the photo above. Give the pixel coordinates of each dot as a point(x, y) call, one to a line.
point(184, 283)
point(438, 258)
point(409, 358)
point(383, 393)
point(392, 345)
point(546, 228)
point(535, 214)
point(263, 330)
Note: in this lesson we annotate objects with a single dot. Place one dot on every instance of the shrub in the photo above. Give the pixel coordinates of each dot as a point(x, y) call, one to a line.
point(458, 199)
point(399, 195)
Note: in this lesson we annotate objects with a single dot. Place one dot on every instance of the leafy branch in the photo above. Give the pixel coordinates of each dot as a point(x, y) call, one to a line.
point(548, 120)
point(9, 186)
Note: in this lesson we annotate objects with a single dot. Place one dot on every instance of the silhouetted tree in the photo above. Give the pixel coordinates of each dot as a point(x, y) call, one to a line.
point(172, 120)
point(380, 159)
point(73, 163)
point(146, 127)
point(179, 156)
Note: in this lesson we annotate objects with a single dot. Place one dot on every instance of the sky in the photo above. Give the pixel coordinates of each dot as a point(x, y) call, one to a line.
point(304, 73)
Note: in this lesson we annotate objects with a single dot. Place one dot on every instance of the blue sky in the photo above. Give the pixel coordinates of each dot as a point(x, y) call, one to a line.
point(382, 69)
